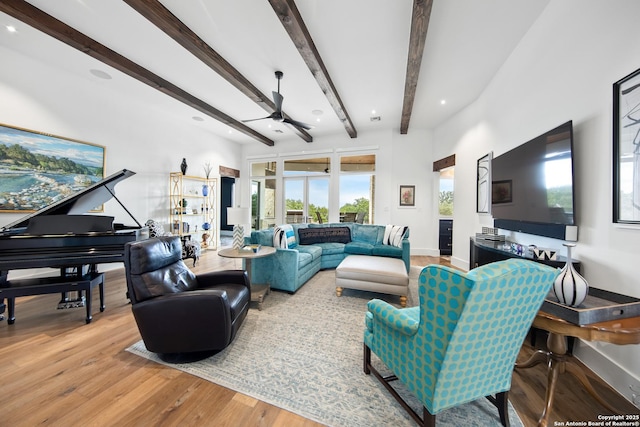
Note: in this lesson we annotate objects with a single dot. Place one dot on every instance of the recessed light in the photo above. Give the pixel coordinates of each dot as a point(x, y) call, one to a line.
point(317, 112)
point(444, 101)
point(373, 112)
point(11, 28)
point(100, 74)
point(197, 118)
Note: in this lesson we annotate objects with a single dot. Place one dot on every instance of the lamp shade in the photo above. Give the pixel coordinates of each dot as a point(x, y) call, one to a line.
point(237, 216)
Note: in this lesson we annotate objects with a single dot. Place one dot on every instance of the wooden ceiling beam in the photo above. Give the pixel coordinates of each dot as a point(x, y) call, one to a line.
point(162, 18)
point(419, 26)
point(41, 21)
point(292, 21)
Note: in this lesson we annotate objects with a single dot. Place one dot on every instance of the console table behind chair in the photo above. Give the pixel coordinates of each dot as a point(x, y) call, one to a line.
point(621, 331)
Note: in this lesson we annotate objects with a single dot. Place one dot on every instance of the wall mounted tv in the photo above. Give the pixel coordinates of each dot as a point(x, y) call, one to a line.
point(532, 187)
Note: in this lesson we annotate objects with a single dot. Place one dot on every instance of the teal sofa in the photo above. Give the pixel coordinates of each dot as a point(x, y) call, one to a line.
point(289, 269)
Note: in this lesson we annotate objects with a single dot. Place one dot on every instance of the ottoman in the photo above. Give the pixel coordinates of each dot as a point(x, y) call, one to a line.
point(375, 274)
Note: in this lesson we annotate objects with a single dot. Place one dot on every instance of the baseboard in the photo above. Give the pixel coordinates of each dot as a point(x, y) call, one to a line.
point(610, 372)
point(462, 264)
point(424, 252)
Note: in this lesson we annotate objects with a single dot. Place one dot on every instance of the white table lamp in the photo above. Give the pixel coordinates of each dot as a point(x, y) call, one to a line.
point(238, 218)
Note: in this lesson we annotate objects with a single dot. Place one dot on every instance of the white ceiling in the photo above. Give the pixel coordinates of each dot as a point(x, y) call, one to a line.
point(363, 43)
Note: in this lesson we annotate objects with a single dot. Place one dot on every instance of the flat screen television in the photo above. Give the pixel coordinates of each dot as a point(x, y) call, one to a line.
point(532, 187)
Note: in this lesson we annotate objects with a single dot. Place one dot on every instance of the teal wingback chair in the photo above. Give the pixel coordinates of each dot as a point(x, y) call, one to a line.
point(461, 342)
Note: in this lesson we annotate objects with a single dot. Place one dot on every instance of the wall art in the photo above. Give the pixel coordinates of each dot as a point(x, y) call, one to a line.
point(38, 169)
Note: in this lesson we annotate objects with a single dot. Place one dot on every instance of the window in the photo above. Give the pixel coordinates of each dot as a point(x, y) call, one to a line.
point(445, 204)
point(357, 188)
point(306, 190)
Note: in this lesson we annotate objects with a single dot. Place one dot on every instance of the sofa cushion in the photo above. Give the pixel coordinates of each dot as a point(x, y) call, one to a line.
point(330, 248)
point(310, 236)
point(387, 250)
point(304, 259)
point(358, 248)
point(315, 251)
point(393, 235)
point(365, 233)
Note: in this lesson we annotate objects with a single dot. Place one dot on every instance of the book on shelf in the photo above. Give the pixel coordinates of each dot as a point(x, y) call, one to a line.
point(250, 248)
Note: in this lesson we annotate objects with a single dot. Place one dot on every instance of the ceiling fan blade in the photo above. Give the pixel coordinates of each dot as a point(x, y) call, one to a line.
point(253, 120)
point(297, 123)
point(277, 99)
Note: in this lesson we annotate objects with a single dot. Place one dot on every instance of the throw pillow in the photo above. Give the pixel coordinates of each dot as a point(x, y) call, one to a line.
point(309, 236)
point(284, 237)
point(393, 235)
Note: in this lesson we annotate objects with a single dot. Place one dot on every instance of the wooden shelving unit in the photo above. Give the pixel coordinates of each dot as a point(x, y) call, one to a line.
point(190, 208)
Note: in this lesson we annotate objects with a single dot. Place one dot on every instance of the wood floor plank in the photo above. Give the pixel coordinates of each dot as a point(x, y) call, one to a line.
point(58, 371)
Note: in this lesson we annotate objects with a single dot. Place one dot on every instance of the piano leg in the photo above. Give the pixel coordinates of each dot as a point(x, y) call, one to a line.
point(11, 302)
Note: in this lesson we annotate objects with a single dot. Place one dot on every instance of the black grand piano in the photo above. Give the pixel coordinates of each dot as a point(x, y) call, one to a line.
point(64, 237)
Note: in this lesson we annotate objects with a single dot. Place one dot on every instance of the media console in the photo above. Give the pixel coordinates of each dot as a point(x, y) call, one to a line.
point(483, 252)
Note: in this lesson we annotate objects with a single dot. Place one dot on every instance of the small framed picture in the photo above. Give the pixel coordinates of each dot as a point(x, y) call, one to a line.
point(407, 195)
point(501, 192)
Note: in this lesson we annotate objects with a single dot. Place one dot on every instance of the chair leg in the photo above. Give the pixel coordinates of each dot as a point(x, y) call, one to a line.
point(366, 359)
point(428, 418)
point(501, 401)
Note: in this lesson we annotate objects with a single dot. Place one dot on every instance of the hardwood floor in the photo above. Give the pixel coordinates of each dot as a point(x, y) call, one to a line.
point(56, 370)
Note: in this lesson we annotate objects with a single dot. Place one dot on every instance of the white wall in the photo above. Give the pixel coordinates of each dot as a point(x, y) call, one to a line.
point(139, 137)
point(562, 70)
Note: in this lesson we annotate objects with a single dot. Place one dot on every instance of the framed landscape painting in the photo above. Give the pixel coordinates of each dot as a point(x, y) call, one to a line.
point(38, 169)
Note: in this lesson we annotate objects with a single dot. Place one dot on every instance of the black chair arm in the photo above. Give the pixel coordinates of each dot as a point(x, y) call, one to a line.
point(213, 278)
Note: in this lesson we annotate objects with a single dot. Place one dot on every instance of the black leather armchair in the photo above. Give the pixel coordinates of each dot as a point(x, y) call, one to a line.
point(181, 316)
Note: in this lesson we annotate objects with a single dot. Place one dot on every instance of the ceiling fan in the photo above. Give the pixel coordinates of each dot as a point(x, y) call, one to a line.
point(277, 115)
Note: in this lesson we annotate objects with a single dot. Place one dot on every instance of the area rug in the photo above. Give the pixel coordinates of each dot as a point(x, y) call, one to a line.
point(303, 353)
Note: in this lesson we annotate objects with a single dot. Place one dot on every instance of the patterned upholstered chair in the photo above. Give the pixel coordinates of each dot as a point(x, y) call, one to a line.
point(190, 248)
point(461, 343)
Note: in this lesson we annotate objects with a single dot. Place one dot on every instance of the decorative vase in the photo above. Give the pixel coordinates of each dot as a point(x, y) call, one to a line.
point(183, 166)
point(205, 190)
point(570, 287)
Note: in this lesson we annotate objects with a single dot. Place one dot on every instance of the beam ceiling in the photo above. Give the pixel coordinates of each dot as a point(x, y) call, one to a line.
point(292, 21)
point(162, 18)
point(419, 26)
point(41, 21)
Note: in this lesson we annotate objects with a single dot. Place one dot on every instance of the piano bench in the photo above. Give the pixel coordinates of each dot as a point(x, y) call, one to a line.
point(12, 289)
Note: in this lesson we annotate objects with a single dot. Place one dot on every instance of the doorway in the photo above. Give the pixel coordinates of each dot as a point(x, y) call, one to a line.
point(227, 185)
point(306, 199)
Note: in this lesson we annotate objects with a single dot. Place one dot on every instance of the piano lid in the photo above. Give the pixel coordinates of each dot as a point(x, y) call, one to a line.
point(81, 202)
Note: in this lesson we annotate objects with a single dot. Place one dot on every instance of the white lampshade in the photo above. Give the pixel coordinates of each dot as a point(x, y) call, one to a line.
point(237, 216)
